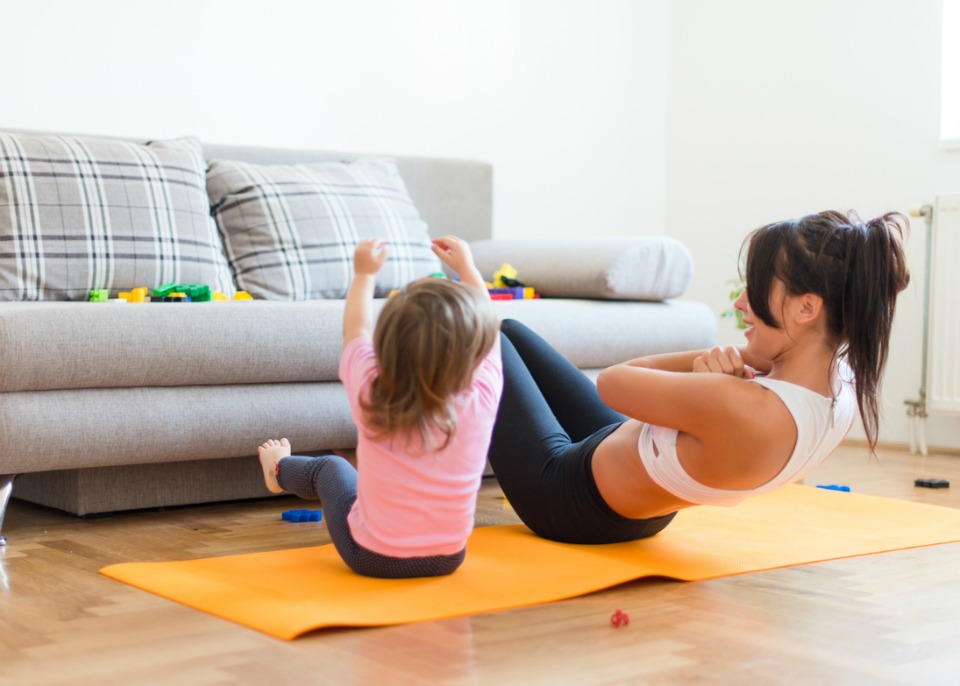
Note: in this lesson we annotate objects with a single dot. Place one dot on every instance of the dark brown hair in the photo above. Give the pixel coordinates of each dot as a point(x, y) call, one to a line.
point(428, 339)
point(856, 267)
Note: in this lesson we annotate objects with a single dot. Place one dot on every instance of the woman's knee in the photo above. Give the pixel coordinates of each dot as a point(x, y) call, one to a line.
point(511, 326)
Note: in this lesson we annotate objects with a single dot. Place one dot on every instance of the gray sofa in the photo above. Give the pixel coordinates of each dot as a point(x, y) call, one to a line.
point(107, 407)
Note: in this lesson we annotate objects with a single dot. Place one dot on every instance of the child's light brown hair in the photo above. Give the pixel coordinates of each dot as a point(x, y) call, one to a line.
point(429, 339)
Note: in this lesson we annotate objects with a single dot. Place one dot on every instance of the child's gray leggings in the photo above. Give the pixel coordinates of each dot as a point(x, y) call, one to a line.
point(333, 481)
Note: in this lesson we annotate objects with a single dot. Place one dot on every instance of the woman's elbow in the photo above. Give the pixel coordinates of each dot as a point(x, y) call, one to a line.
point(606, 383)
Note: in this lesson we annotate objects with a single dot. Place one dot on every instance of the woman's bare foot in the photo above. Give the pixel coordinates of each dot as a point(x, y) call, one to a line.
point(270, 454)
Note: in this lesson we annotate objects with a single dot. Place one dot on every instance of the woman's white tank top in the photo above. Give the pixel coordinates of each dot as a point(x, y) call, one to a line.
point(821, 424)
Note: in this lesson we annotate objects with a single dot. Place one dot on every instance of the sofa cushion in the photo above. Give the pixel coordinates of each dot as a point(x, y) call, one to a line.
point(290, 230)
point(609, 268)
point(82, 213)
point(103, 345)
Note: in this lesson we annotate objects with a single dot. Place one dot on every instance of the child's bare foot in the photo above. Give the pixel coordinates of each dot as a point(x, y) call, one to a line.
point(270, 454)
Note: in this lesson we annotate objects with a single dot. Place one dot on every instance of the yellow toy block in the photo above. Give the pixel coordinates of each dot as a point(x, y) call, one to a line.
point(242, 295)
point(218, 295)
point(137, 295)
point(505, 270)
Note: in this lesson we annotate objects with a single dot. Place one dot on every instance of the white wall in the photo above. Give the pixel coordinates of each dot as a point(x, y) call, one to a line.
point(697, 118)
point(566, 98)
point(779, 109)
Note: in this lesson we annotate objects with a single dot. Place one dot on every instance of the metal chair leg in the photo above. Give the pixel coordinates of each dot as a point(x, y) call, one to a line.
point(6, 488)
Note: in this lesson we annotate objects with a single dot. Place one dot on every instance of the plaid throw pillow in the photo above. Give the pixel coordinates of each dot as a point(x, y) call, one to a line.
point(79, 213)
point(290, 230)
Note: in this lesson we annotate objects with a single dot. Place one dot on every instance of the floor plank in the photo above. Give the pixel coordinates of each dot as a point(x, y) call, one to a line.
point(879, 619)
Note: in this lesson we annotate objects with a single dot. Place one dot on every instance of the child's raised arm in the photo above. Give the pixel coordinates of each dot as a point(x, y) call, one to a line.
point(358, 309)
point(455, 253)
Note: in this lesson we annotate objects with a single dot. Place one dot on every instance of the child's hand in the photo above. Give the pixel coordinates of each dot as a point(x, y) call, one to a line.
point(453, 252)
point(369, 256)
point(723, 361)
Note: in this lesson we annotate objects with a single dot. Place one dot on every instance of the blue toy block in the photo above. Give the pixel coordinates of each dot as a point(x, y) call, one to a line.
point(835, 487)
point(302, 516)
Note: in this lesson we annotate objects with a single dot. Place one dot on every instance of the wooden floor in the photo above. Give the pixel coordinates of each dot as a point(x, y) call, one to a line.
point(884, 619)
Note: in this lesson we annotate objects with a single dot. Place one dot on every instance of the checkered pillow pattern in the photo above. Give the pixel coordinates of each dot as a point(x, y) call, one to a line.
point(84, 213)
point(290, 230)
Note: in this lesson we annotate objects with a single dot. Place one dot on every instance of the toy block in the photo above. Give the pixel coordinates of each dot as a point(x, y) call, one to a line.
point(137, 295)
point(198, 292)
point(242, 295)
point(501, 296)
point(932, 483)
point(302, 516)
point(506, 271)
point(163, 291)
point(437, 275)
point(514, 293)
point(218, 296)
point(834, 487)
point(100, 295)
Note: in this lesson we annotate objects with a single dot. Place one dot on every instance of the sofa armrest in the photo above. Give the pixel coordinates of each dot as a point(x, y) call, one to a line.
point(609, 268)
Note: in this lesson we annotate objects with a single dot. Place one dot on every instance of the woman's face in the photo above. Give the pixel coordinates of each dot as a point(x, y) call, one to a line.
point(763, 340)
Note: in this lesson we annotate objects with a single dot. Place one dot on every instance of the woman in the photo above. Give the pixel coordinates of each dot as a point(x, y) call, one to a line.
point(614, 462)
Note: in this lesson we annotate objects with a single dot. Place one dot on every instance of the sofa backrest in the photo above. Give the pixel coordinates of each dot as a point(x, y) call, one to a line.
point(453, 196)
point(88, 212)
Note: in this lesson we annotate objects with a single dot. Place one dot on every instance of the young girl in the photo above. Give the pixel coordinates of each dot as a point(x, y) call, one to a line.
point(615, 462)
point(424, 387)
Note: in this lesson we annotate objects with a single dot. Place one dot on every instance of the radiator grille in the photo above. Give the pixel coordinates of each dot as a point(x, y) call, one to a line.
point(943, 344)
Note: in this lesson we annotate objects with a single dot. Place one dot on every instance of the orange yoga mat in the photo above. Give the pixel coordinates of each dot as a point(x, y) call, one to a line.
point(290, 592)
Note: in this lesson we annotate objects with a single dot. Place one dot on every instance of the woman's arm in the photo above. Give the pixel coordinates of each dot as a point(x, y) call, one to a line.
point(667, 362)
point(693, 403)
point(732, 360)
point(358, 309)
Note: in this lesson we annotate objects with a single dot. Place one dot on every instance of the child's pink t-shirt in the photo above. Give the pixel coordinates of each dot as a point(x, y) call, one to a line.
point(419, 505)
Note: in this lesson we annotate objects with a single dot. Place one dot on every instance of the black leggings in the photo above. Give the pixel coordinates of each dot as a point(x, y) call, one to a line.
point(551, 419)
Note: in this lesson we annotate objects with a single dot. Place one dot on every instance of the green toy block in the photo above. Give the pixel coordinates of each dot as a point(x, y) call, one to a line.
point(198, 292)
point(161, 292)
point(101, 295)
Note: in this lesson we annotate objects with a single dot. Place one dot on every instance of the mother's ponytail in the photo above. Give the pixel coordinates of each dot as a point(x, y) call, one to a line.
point(875, 272)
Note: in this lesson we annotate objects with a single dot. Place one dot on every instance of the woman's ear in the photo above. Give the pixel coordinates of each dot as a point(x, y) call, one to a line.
point(809, 308)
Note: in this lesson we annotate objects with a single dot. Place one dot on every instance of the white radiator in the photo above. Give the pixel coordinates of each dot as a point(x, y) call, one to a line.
point(943, 339)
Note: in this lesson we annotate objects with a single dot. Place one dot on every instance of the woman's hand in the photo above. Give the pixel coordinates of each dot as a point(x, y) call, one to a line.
point(723, 361)
point(369, 256)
